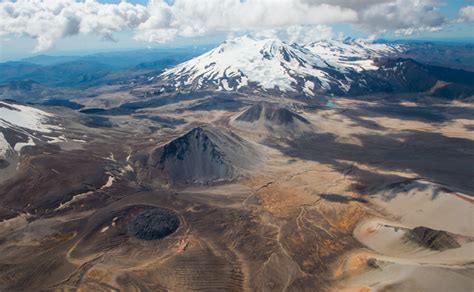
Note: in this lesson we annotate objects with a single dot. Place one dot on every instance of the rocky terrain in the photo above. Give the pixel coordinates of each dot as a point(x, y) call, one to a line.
point(154, 224)
point(215, 177)
point(202, 155)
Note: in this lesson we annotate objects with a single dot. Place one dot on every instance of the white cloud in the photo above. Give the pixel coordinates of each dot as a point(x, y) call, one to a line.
point(395, 16)
point(49, 20)
point(402, 17)
point(193, 18)
point(294, 20)
point(466, 13)
point(353, 4)
point(300, 34)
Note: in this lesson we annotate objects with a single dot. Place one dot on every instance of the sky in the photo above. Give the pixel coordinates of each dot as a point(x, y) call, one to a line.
point(61, 27)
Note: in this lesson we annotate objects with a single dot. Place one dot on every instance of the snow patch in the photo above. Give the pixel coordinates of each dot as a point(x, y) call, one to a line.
point(84, 195)
point(225, 85)
point(20, 145)
point(5, 147)
point(309, 87)
point(14, 115)
point(74, 199)
point(109, 183)
point(111, 157)
point(53, 140)
point(79, 140)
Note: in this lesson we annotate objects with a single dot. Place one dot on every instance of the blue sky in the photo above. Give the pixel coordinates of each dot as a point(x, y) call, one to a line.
point(160, 25)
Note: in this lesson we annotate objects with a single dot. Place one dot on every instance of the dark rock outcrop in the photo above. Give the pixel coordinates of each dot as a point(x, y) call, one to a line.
point(273, 114)
point(433, 239)
point(154, 224)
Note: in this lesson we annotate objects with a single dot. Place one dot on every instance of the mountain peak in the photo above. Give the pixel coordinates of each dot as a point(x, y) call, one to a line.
point(205, 154)
point(266, 46)
point(272, 114)
point(274, 67)
point(269, 64)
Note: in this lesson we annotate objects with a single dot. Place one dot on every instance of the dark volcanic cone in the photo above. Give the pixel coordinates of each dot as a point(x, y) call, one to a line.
point(273, 114)
point(204, 155)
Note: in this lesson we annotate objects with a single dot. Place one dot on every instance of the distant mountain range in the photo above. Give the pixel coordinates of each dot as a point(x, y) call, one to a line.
point(95, 69)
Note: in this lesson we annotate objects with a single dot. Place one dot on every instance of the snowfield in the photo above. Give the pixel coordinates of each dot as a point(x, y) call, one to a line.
point(15, 115)
point(273, 64)
point(28, 122)
point(4, 146)
point(352, 54)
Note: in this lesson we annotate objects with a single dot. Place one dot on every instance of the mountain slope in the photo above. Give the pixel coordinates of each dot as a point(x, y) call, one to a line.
point(272, 65)
point(270, 118)
point(239, 63)
point(407, 75)
point(274, 114)
point(21, 125)
point(203, 155)
point(348, 67)
point(352, 54)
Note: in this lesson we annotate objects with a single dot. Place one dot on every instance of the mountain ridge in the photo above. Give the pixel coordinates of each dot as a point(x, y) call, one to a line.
point(271, 64)
point(340, 67)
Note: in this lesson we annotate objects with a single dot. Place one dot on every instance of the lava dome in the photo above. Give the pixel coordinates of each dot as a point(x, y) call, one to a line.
point(155, 223)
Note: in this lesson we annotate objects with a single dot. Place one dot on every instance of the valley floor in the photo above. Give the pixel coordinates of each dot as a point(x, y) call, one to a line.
point(369, 196)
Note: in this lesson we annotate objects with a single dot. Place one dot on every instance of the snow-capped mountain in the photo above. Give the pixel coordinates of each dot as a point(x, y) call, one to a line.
point(269, 65)
point(357, 54)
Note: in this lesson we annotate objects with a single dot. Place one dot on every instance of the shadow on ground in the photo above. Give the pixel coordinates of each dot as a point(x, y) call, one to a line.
point(432, 156)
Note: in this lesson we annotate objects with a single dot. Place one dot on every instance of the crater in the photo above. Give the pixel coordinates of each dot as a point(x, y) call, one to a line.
point(152, 224)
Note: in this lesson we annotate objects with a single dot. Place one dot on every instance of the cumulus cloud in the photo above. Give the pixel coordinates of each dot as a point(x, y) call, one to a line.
point(162, 21)
point(49, 20)
point(299, 34)
point(193, 18)
point(466, 13)
point(354, 4)
point(398, 16)
point(402, 17)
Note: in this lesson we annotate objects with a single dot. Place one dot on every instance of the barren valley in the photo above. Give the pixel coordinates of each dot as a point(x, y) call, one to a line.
point(274, 197)
point(337, 165)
